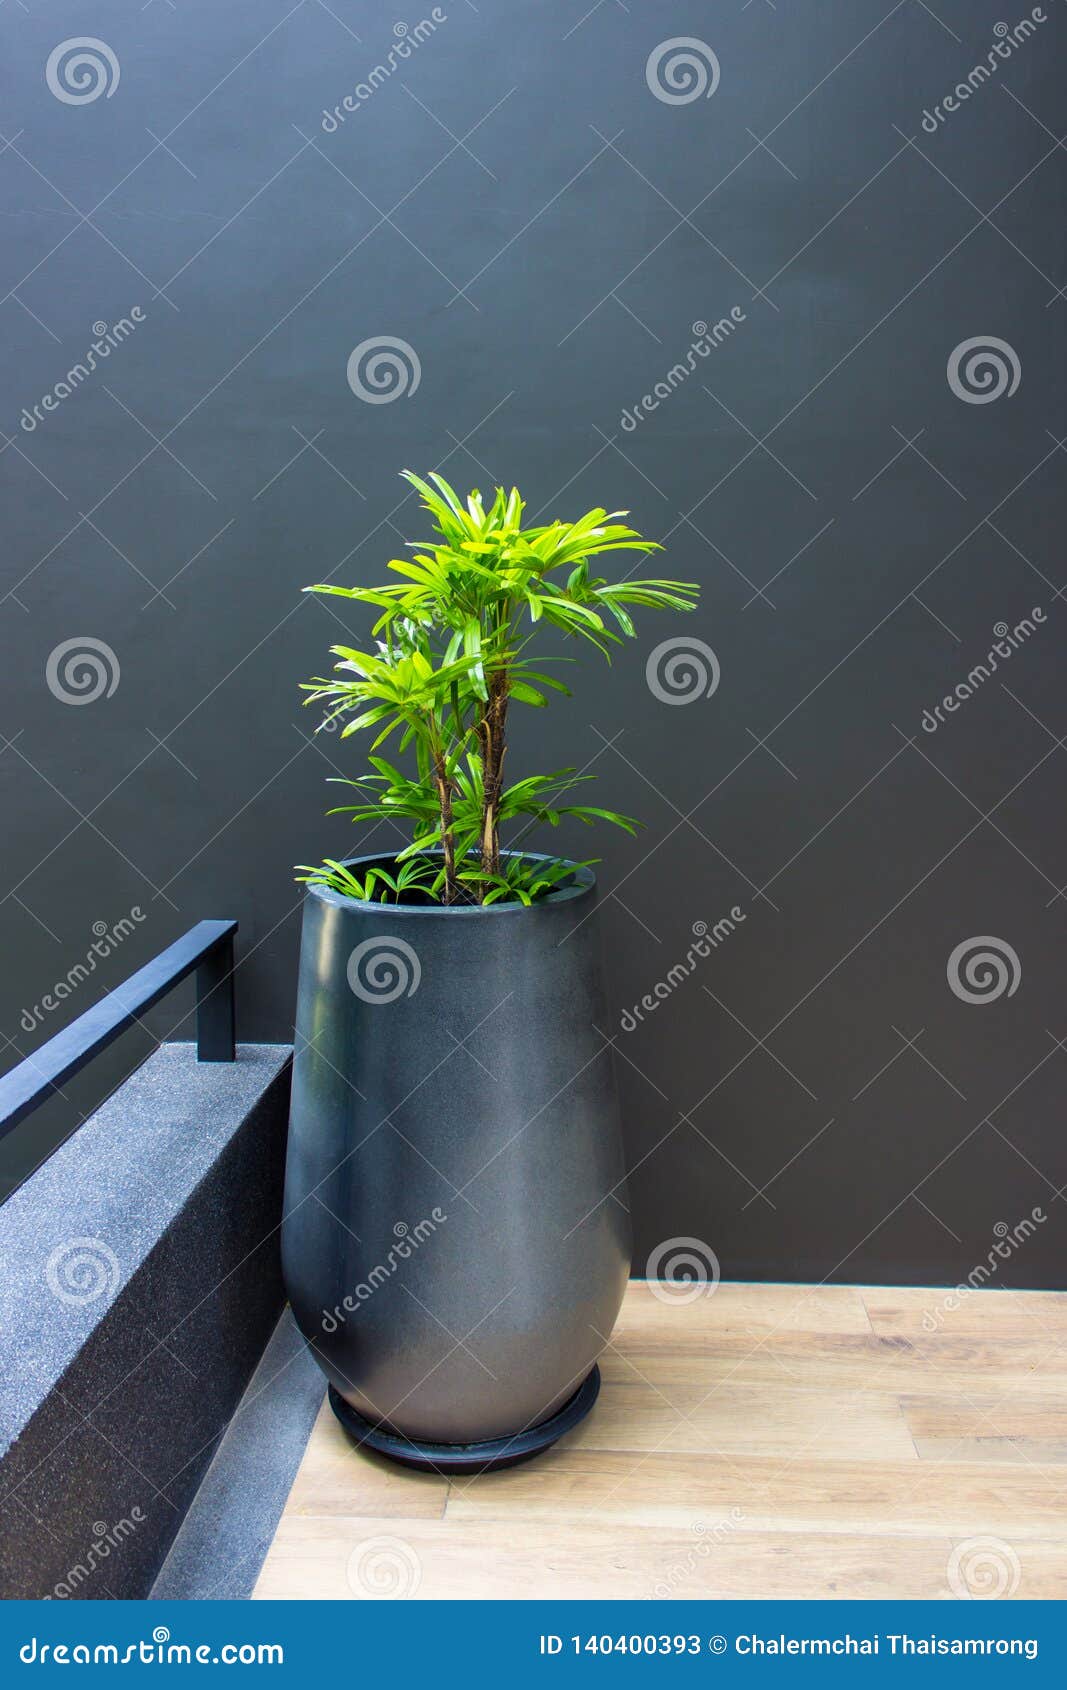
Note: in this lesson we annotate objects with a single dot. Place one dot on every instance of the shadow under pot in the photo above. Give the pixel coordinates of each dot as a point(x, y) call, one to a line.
point(455, 1239)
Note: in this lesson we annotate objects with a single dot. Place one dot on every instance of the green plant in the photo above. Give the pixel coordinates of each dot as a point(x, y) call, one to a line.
point(451, 656)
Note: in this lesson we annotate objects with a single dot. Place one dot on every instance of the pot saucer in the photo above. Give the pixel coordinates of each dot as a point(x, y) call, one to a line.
point(470, 1458)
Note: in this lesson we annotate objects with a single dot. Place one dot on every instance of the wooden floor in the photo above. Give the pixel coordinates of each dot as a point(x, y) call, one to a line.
point(763, 1441)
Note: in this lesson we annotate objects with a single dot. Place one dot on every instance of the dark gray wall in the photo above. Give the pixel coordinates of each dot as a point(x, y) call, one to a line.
point(518, 206)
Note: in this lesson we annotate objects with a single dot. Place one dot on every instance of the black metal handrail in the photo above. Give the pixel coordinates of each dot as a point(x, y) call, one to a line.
point(207, 947)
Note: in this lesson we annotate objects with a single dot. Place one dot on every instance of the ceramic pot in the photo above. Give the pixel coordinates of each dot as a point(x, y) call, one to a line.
point(455, 1239)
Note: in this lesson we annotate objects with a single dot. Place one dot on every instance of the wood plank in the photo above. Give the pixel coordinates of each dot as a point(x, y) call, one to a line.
point(875, 1497)
point(907, 1312)
point(1009, 1427)
point(747, 1309)
point(840, 1362)
point(742, 1419)
point(452, 1559)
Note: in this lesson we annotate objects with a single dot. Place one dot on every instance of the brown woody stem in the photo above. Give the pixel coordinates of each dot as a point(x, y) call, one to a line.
point(448, 843)
point(492, 727)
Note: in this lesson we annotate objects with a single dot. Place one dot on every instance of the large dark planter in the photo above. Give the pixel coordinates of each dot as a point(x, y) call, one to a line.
point(455, 1241)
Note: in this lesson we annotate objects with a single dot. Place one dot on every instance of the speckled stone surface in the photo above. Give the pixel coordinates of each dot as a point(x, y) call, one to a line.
point(141, 1285)
point(223, 1541)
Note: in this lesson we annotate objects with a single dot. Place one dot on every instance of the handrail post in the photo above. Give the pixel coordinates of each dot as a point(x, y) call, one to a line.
point(215, 1032)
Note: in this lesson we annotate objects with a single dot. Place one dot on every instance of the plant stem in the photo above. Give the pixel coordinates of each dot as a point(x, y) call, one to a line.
point(493, 724)
point(448, 843)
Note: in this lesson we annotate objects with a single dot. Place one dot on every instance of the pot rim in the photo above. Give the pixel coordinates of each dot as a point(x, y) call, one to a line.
point(584, 883)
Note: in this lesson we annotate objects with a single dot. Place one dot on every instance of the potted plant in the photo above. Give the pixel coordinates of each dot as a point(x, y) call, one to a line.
point(455, 1239)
